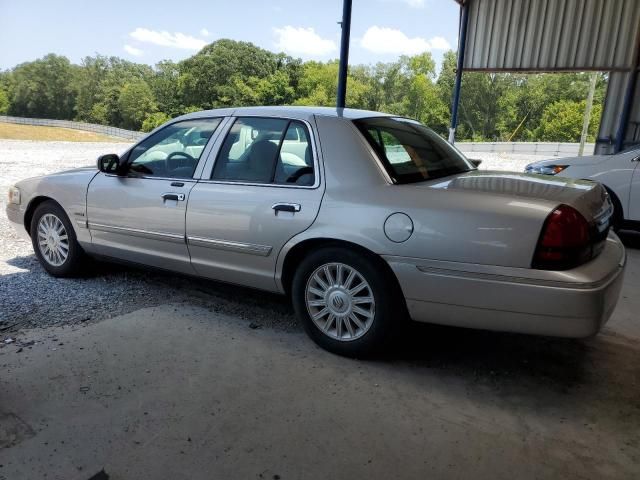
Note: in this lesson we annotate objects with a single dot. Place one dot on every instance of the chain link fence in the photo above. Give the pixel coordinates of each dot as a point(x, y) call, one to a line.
point(89, 127)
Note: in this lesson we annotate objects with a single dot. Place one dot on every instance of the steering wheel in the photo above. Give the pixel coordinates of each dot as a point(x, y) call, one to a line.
point(294, 177)
point(172, 155)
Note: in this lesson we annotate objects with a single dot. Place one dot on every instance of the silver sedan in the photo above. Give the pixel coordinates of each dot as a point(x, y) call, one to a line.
point(364, 219)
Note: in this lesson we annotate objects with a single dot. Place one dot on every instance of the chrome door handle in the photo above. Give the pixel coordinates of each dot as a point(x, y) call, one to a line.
point(178, 197)
point(287, 207)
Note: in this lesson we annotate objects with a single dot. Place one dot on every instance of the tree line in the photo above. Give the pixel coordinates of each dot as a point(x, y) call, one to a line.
point(114, 91)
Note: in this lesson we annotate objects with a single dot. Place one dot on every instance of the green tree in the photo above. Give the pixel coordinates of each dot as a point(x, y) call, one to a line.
point(562, 121)
point(99, 84)
point(135, 103)
point(318, 85)
point(153, 120)
point(4, 102)
point(207, 78)
point(43, 88)
point(113, 91)
point(164, 83)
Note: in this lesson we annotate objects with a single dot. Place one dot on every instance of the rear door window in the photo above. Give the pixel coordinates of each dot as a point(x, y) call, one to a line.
point(410, 151)
point(266, 151)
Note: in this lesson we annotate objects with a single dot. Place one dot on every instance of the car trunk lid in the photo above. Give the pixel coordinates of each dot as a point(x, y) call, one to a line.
point(589, 198)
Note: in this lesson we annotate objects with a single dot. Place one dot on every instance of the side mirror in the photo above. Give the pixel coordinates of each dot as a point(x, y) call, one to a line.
point(109, 163)
point(476, 162)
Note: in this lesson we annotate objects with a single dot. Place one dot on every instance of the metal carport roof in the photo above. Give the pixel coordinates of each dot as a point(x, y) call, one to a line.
point(549, 36)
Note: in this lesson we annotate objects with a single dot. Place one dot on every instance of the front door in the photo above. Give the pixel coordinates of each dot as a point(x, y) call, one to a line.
point(140, 216)
point(264, 188)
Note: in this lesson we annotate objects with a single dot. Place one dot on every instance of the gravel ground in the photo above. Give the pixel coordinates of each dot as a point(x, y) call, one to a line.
point(31, 298)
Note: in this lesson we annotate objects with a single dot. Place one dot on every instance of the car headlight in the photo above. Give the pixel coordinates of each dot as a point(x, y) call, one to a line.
point(545, 169)
point(14, 195)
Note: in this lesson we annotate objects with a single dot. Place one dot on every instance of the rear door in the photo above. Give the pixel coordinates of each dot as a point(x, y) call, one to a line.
point(140, 217)
point(263, 188)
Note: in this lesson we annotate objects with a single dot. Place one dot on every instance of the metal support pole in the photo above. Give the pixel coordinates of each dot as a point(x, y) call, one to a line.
point(587, 112)
point(462, 41)
point(344, 53)
point(628, 99)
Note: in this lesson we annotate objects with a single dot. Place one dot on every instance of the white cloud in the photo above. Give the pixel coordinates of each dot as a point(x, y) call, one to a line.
point(414, 3)
point(303, 41)
point(204, 32)
point(389, 40)
point(439, 43)
point(166, 39)
point(136, 52)
point(411, 3)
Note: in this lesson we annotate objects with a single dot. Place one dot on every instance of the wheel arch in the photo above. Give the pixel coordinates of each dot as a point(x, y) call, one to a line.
point(616, 201)
point(31, 208)
point(296, 253)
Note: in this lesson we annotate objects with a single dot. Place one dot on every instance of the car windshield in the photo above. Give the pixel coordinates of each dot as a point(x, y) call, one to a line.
point(410, 151)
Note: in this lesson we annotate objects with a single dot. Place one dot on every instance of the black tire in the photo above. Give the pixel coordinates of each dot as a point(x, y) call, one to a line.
point(389, 308)
point(72, 265)
point(617, 218)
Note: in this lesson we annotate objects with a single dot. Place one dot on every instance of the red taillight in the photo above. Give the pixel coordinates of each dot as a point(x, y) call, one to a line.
point(565, 241)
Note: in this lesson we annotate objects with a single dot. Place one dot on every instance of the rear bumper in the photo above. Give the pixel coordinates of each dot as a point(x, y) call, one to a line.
point(573, 303)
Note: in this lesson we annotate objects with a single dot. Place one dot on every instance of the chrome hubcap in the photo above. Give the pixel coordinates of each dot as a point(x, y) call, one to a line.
point(340, 301)
point(53, 240)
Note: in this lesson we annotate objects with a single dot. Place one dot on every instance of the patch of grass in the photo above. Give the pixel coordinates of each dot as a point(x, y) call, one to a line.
point(12, 131)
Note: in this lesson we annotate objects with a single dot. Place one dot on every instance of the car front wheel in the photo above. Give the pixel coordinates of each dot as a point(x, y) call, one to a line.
point(346, 302)
point(54, 240)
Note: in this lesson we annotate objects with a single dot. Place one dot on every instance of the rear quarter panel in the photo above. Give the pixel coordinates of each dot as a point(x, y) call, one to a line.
point(456, 226)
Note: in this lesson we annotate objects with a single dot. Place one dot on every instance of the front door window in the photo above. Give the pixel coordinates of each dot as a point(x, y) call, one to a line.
point(174, 151)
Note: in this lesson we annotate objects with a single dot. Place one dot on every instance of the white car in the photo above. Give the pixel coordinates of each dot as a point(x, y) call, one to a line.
point(618, 173)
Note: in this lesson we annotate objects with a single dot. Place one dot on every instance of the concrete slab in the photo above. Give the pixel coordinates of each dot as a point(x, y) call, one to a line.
point(186, 393)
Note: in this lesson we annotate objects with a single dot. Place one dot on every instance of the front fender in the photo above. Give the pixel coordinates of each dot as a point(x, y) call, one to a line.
point(68, 189)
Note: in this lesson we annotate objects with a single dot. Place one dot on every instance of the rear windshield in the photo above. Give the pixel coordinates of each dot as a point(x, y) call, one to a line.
point(410, 151)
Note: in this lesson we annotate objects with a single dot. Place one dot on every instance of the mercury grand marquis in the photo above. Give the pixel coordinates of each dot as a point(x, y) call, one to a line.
point(362, 218)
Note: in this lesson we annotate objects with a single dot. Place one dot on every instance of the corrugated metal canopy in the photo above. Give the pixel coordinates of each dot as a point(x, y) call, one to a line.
point(552, 35)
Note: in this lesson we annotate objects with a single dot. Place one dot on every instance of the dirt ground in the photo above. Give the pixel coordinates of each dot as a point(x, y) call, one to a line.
point(12, 131)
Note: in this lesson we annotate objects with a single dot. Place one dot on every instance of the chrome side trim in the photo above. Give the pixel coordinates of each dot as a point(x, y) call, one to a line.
point(81, 222)
point(136, 232)
point(249, 248)
point(520, 280)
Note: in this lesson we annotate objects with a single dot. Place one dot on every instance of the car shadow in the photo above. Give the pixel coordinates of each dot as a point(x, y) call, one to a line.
point(605, 364)
point(103, 290)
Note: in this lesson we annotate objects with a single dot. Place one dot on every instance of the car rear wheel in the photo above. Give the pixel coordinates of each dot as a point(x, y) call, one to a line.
point(345, 302)
point(54, 241)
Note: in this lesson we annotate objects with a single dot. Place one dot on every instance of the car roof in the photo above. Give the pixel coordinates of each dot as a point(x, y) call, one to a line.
point(302, 112)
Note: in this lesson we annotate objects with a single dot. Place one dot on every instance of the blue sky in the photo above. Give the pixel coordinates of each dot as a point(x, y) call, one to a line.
point(151, 30)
